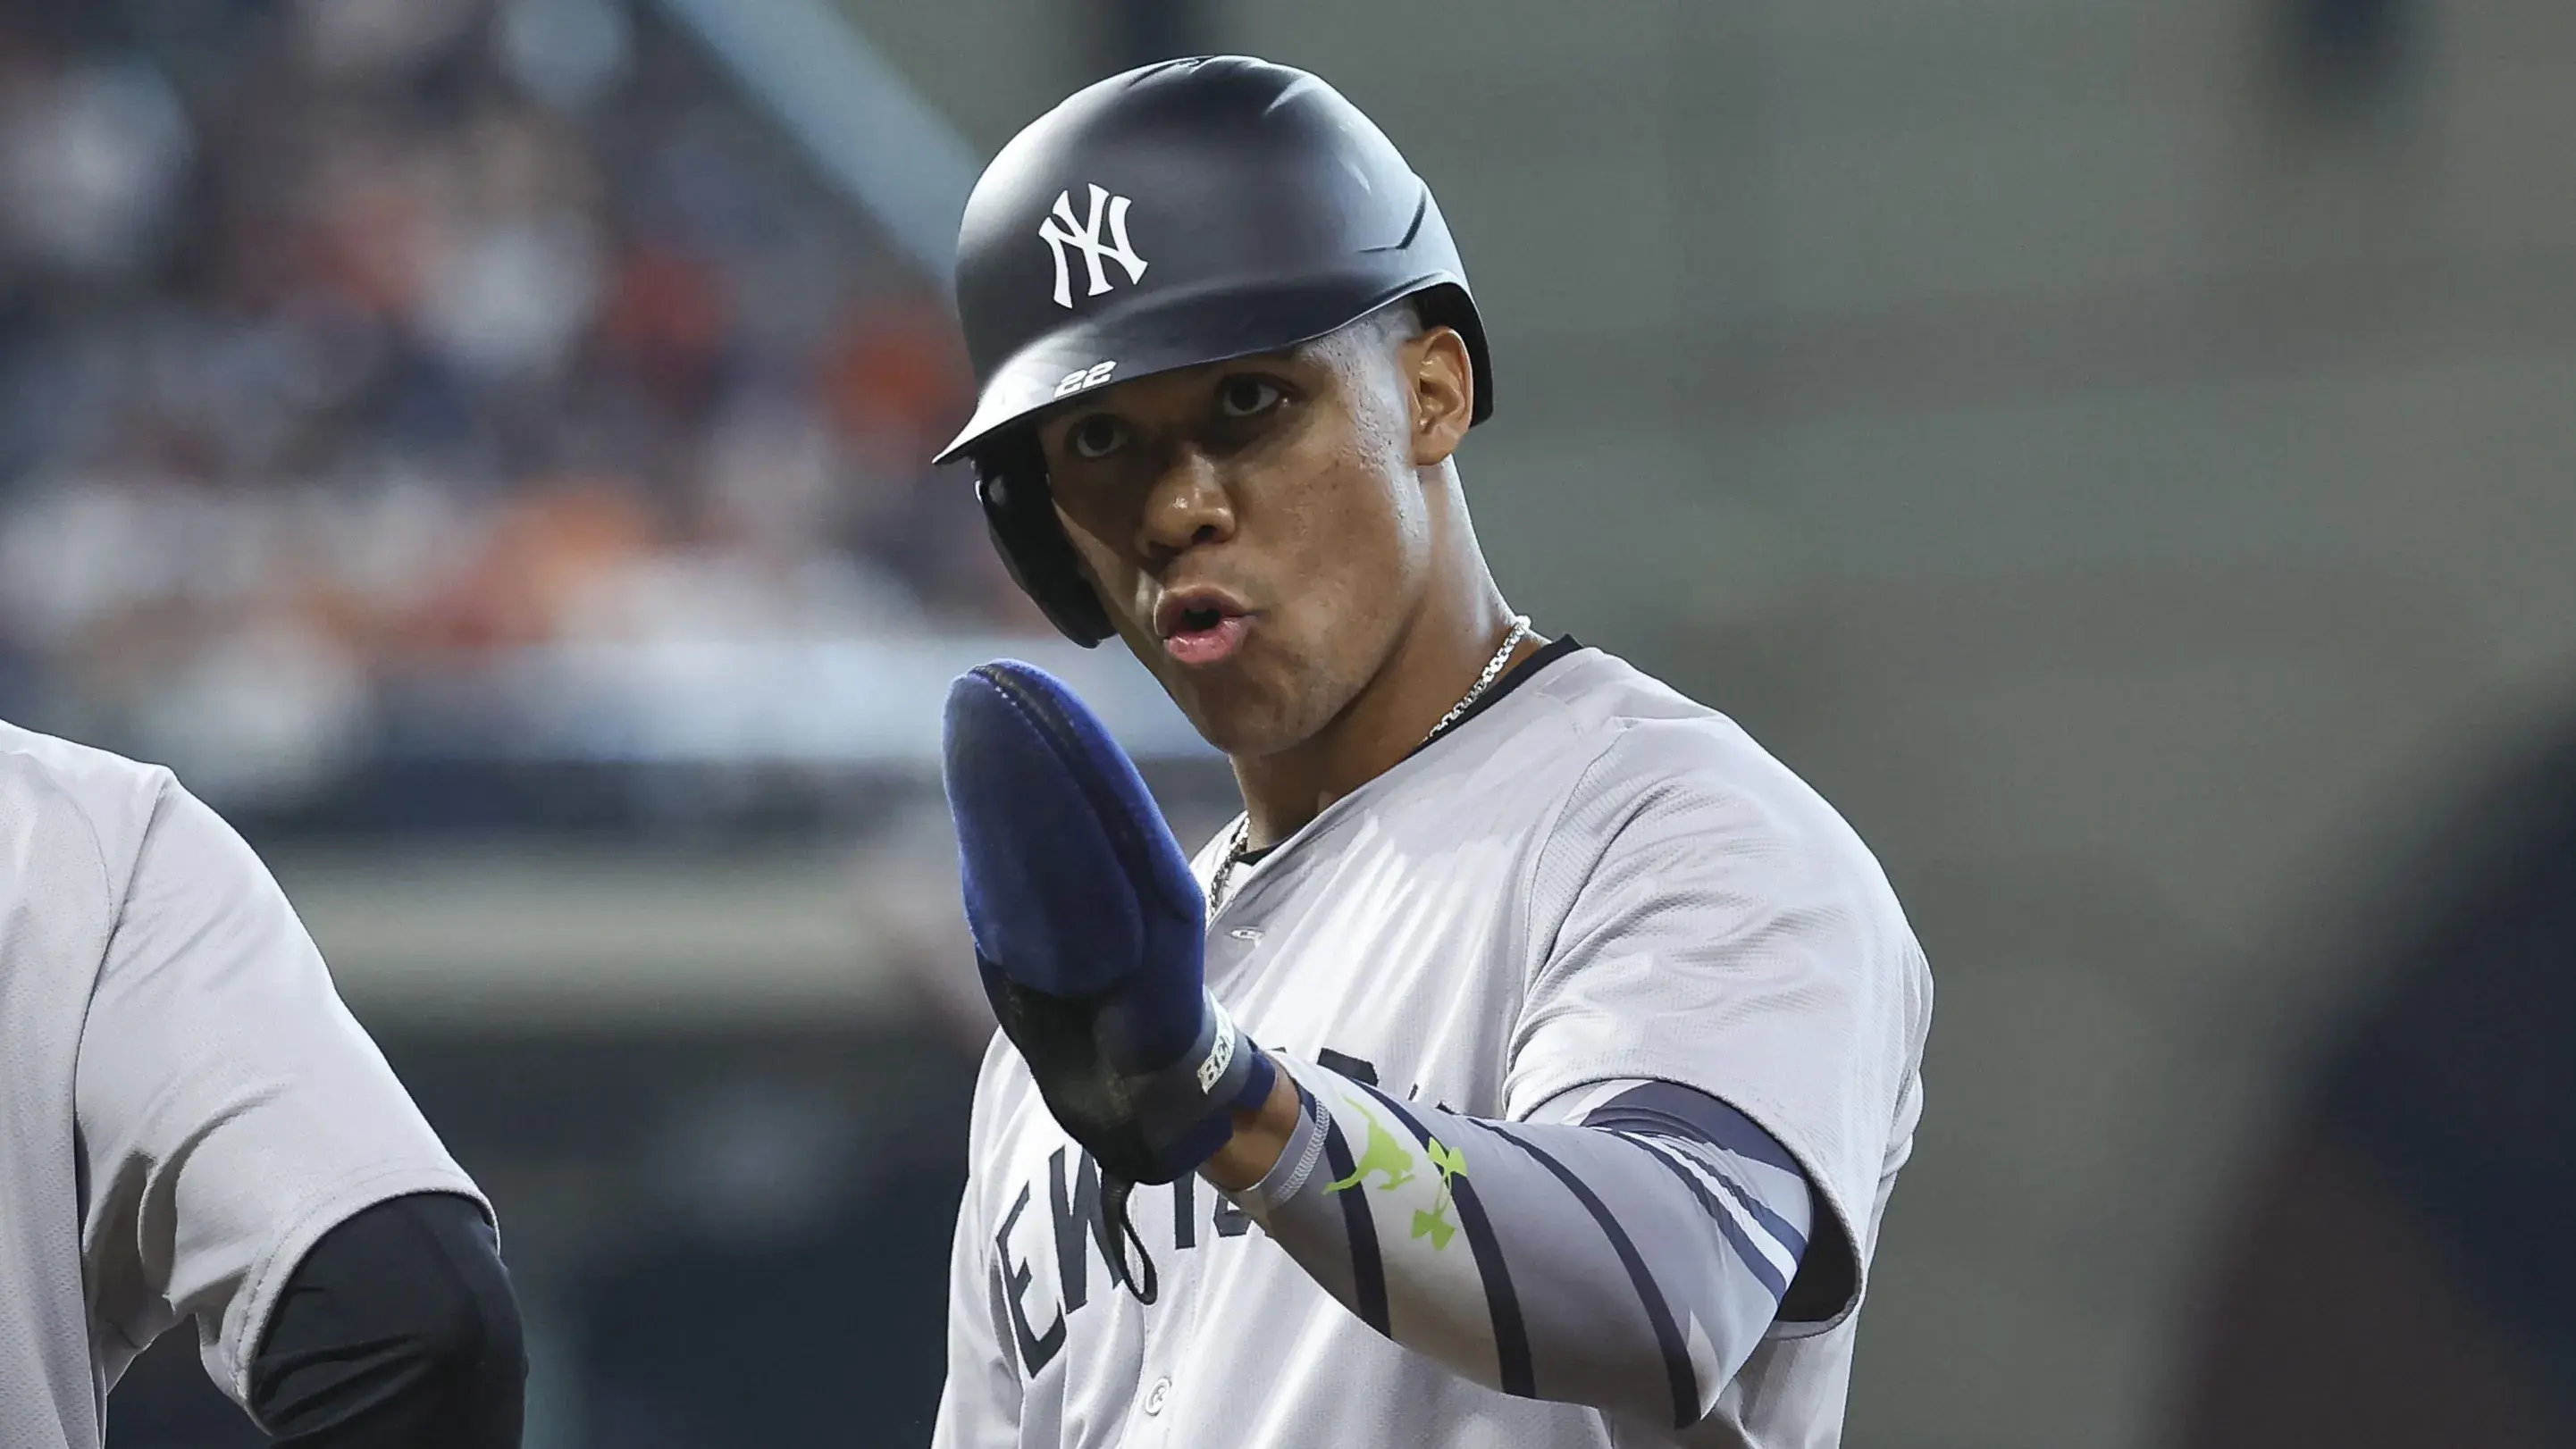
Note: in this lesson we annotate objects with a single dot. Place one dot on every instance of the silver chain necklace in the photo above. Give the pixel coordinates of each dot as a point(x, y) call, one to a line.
point(1234, 846)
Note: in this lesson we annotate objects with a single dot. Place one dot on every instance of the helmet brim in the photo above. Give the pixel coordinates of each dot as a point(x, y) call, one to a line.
point(1214, 322)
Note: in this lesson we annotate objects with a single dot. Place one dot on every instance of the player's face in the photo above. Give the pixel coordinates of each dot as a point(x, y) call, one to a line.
point(1258, 529)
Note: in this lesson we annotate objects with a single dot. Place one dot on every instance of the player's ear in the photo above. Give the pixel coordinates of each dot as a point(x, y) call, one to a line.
point(1442, 381)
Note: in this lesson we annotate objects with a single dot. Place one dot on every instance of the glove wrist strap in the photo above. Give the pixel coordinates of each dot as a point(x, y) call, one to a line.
point(1223, 1070)
point(1184, 1112)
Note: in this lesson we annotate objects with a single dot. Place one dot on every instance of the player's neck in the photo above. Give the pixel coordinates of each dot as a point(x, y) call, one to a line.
point(1434, 663)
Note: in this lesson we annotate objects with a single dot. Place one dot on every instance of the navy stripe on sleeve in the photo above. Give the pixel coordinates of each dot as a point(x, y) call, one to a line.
point(1754, 1207)
point(1760, 1211)
point(1672, 1107)
point(1763, 1270)
point(1511, 1336)
point(1368, 1270)
point(1677, 1365)
point(1668, 1109)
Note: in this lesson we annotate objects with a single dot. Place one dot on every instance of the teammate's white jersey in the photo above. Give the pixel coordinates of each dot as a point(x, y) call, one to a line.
point(1594, 879)
point(185, 1106)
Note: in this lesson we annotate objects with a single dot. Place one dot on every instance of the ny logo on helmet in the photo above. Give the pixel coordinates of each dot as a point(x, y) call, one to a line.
point(1060, 231)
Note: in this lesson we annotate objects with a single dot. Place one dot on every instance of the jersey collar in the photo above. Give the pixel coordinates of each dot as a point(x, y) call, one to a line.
point(1518, 675)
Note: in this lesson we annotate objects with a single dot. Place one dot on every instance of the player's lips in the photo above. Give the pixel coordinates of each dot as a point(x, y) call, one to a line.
point(1201, 626)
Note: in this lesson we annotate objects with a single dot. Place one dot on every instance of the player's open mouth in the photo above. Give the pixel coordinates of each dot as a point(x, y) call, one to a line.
point(1201, 627)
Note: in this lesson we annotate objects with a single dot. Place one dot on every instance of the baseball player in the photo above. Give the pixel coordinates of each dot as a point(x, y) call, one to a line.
point(1530, 1063)
point(191, 1125)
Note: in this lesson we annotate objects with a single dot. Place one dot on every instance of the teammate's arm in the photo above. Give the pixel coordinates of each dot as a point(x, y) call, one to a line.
point(237, 1126)
point(1628, 1255)
point(399, 1328)
point(979, 1405)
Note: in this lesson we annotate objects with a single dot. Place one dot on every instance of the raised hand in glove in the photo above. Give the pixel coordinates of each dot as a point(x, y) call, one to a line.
point(1089, 932)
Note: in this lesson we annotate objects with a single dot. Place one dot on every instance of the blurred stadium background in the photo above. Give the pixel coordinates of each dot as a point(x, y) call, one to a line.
point(2124, 453)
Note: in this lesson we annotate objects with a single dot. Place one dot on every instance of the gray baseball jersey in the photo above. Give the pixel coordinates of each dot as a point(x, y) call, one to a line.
point(1594, 881)
point(185, 1105)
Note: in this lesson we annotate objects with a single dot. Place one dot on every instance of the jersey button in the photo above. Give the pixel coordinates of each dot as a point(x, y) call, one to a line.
point(1157, 1396)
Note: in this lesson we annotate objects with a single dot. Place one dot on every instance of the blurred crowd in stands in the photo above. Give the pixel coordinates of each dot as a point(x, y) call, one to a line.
point(345, 342)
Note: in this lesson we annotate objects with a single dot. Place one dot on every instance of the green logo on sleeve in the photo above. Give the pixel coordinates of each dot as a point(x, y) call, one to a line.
point(1385, 1155)
point(1388, 1158)
point(1435, 1223)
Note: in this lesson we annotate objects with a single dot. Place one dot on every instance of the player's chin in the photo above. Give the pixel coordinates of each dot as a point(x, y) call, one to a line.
point(1236, 710)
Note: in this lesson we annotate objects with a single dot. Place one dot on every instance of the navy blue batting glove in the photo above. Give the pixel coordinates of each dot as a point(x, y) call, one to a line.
point(1090, 931)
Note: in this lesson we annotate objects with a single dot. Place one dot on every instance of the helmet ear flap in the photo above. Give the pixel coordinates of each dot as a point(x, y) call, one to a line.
point(1010, 481)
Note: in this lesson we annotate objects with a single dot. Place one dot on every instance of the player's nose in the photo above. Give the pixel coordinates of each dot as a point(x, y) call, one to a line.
point(1187, 507)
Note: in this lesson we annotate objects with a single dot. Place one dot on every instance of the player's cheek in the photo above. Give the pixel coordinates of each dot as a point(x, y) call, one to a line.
point(1120, 585)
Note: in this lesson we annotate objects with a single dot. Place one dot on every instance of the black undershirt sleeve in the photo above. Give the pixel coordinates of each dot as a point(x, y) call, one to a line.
point(399, 1330)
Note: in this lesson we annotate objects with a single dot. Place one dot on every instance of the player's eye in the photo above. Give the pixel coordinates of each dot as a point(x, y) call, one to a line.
point(1246, 396)
point(1095, 437)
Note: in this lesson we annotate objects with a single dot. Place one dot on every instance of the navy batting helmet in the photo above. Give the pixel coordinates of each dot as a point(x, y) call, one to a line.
point(1179, 214)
